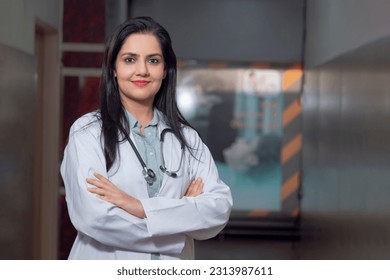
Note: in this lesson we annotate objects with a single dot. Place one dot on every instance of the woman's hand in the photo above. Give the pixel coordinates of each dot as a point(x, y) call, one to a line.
point(107, 191)
point(195, 188)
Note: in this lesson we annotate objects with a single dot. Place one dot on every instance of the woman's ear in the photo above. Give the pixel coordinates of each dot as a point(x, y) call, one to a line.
point(165, 73)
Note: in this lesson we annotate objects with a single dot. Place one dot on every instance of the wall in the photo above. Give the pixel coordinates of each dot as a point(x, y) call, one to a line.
point(17, 107)
point(336, 27)
point(346, 107)
point(244, 31)
point(17, 27)
point(346, 180)
point(29, 106)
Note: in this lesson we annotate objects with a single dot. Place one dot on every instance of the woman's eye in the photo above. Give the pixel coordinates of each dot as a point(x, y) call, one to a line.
point(154, 60)
point(129, 59)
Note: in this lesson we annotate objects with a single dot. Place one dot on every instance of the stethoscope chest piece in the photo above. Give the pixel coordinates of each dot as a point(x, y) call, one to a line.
point(149, 175)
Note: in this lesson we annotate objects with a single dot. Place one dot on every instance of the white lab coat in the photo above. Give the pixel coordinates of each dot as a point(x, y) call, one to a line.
point(173, 220)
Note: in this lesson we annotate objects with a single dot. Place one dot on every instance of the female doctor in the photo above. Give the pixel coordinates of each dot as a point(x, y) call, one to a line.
point(139, 181)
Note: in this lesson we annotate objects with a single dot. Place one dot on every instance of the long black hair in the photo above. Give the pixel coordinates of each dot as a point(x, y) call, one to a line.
point(112, 112)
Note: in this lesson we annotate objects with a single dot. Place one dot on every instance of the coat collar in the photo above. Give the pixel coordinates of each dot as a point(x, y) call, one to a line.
point(161, 124)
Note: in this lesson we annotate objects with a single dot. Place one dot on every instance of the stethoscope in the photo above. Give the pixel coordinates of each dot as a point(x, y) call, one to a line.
point(148, 173)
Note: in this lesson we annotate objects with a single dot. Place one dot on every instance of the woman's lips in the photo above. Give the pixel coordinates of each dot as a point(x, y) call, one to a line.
point(140, 83)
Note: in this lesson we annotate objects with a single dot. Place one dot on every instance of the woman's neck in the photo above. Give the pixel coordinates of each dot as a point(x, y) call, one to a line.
point(143, 114)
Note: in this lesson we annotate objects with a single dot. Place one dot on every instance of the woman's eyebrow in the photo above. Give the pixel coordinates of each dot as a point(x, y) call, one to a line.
point(129, 53)
point(154, 54)
point(137, 55)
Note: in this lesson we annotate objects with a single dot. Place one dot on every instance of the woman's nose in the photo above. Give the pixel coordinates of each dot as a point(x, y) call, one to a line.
point(142, 69)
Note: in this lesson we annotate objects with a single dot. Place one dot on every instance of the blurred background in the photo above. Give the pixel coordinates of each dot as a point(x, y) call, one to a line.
point(329, 63)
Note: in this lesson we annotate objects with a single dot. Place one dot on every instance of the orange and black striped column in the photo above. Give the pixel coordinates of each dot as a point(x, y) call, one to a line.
point(292, 141)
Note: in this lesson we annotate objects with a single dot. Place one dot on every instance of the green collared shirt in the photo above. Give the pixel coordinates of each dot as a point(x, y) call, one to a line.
point(148, 145)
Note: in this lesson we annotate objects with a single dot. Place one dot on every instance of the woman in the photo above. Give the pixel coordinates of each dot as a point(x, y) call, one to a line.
point(128, 196)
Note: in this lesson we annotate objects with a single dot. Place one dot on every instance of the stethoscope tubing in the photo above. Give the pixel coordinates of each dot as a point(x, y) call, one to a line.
point(149, 174)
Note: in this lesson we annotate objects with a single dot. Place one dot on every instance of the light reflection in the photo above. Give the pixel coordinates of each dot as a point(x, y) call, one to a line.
point(186, 101)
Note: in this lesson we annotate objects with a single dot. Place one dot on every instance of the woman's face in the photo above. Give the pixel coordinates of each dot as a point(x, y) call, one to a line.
point(139, 69)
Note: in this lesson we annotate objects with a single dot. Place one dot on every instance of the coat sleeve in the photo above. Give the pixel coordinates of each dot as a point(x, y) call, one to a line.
point(94, 217)
point(199, 217)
